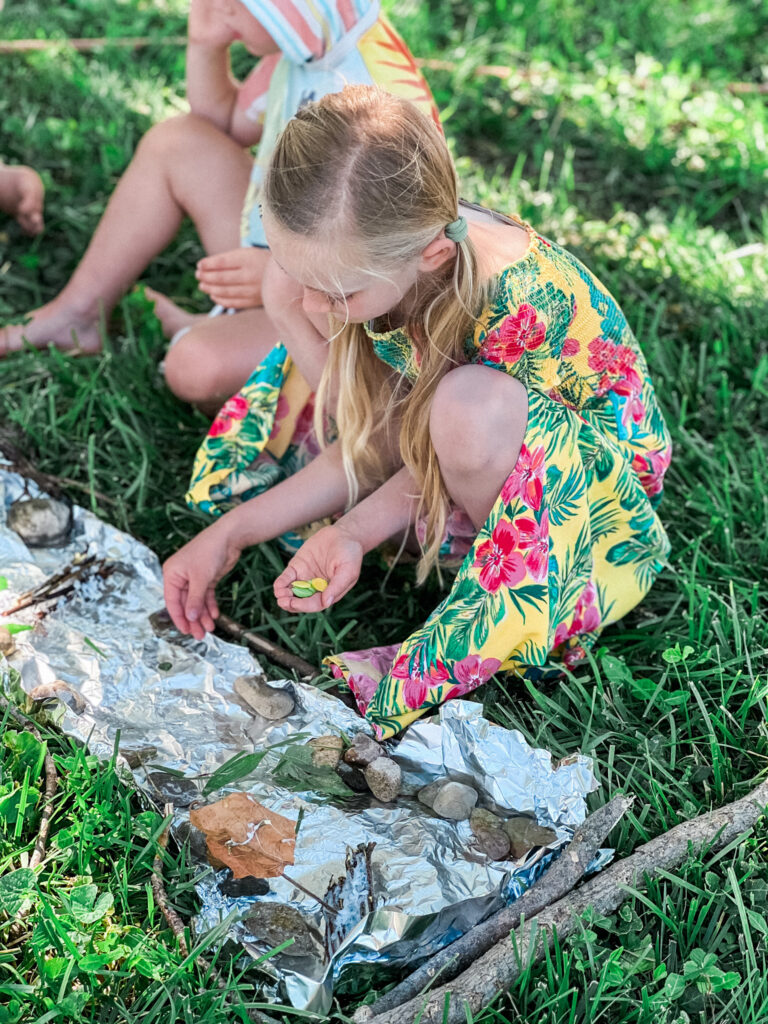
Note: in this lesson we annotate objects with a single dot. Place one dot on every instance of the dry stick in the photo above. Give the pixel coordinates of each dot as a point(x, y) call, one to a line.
point(430, 63)
point(86, 45)
point(555, 882)
point(272, 651)
point(497, 969)
point(51, 784)
point(158, 887)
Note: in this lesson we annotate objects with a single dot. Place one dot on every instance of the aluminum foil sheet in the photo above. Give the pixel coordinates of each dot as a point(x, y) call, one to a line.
point(407, 881)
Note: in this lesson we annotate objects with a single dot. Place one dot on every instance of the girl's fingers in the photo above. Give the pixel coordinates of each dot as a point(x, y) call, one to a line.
point(175, 597)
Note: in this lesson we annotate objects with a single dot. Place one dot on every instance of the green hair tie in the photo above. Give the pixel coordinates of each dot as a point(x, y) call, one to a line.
point(457, 230)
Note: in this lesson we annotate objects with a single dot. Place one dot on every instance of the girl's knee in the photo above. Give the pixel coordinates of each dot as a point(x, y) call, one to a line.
point(177, 137)
point(478, 415)
point(192, 368)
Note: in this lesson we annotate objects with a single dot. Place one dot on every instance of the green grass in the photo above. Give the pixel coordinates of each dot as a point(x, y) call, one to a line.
point(616, 133)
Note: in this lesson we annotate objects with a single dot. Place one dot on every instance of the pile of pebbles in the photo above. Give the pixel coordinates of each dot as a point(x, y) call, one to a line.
point(365, 767)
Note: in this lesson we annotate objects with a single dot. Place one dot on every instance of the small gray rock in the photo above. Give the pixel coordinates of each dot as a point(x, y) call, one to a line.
point(137, 756)
point(270, 702)
point(364, 751)
point(273, 923)
point(454, 800)
point(326, 751)
point(178, 791)
point(46, 693)
point(352, 777)
point(526, 833)
point(427, 795)
point(384, 779)
point(41, 522)
point(481, 820)
point(493, 842)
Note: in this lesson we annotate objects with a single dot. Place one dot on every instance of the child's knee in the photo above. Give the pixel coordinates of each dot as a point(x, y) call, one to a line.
point(176, 138)
point(477, 415)
point(192, 369)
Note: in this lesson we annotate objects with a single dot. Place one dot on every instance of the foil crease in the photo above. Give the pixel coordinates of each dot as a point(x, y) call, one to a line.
point(171, 699)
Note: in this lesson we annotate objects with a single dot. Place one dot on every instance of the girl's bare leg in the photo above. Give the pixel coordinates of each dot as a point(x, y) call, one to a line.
point(182, 167)
point(217, 356)
point(477, 424)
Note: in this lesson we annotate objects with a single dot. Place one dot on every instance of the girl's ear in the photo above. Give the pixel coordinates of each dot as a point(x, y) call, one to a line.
point(436, 254)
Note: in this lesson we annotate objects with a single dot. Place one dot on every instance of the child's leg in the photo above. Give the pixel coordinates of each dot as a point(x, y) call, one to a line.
point(215, 358)
point(171, 315)
point(185, 166)
point(477, 425)
point(21, 196)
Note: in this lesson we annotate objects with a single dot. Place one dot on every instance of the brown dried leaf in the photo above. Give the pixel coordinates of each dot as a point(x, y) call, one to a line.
point(243, 835)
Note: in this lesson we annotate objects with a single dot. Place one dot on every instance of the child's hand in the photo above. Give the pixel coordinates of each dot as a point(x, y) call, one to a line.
point(190, 577)
point(207, 27)
point(233, 278)
point(330, 554)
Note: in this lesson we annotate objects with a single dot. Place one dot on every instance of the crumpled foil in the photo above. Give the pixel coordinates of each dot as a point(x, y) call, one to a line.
point(409, 882)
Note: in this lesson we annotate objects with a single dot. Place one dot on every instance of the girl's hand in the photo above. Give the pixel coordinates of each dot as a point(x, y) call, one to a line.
point(206, 26)
point(190, 577)
point(233, 278)
point(331, 554)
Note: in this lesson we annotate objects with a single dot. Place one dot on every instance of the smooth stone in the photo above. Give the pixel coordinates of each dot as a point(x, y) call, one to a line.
point(137, 756)
point(268, 701)
point(273, 923)
point(7, 643)
point(427, 795)
point(363, 751)
point(481, 820)
point(493, 842)
point(326, 751)
point(384, 779)
point(41, 522)
point(525, 834)
point(61, 691)
point(352, 777)
point(248, 886)
point(454, 800)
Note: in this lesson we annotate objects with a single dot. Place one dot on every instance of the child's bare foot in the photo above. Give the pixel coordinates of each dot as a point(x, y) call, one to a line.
point(171, 316)
point(21, 196)
point(57, 323)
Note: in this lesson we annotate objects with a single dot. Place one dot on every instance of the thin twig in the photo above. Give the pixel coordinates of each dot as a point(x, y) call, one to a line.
point(158, 886)
point(272, 651)
point(87, 45)
point(62, 583)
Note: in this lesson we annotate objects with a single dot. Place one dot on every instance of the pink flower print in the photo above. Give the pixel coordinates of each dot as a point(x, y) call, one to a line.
point(651, 468)
point(586, 617)
point(526, 481)
point(534, 542)
point(571, 347)
point(573, 655)
point(233, 410)
point(417, 683)
point(502, 564)
point(519, 332)
point(472, 672)
point(281, 411)
point(561, 635)
point(363, 687)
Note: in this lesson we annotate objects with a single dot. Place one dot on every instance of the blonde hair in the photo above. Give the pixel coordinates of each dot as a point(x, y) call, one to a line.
point(368, 162)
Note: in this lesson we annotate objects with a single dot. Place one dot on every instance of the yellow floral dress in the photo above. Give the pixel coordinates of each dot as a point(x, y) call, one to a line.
point(573, 541)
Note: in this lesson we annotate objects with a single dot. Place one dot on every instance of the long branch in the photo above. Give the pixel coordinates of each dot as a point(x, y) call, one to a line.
point(497, 969)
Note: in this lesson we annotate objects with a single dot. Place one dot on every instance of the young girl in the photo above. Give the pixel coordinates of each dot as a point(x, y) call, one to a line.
point(198, 165)
point(485, 388)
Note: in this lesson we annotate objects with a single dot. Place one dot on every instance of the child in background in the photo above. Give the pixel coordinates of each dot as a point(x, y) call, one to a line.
point(486, 389)
point(197, 166)
point(21, 197)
